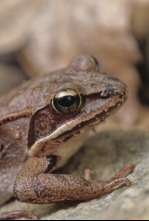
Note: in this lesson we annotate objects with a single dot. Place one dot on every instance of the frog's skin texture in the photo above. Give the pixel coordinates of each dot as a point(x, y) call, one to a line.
point(37, 138)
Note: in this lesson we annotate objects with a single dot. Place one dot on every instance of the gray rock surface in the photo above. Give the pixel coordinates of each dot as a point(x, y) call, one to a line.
point(104, 154)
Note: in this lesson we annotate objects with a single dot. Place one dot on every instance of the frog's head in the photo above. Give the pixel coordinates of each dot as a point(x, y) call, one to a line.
point(81, 97)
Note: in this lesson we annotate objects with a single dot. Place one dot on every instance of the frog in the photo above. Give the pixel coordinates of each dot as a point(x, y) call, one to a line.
point(44, 122)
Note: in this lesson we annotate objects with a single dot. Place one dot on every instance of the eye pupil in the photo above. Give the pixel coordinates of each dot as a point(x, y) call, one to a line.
point(66, 101)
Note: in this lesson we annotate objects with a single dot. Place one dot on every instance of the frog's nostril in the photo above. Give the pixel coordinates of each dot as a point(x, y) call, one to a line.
point(104, 94)
point(112, 91)
point(109, 91)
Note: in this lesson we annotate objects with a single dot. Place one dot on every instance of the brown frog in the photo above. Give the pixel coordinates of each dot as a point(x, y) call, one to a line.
point(44, 122)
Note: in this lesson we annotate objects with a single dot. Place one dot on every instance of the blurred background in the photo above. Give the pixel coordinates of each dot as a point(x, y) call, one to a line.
point(39, 36)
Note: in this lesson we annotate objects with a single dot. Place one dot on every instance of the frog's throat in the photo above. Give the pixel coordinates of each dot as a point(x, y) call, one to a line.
point(71, 128)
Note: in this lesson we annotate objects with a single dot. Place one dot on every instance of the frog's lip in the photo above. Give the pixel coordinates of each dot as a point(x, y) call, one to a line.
point(94, 121)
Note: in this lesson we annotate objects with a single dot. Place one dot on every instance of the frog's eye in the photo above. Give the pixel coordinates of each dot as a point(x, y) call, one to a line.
point(96, 63)
point(84, 63)
point(67, 101)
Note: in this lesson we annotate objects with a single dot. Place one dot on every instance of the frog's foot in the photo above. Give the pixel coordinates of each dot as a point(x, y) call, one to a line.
point(17, 215)
point(118, 179)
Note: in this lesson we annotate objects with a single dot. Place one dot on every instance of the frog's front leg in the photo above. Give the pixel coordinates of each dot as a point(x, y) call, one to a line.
point(34, 184)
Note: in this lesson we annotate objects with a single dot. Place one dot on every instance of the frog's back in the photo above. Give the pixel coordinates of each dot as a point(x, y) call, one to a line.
point(13, 142)
point(13, 152)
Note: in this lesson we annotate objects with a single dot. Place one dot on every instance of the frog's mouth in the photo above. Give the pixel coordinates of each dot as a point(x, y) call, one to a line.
point(92, 122)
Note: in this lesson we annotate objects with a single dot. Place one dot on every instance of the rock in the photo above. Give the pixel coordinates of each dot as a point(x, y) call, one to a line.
point(84, 27)
point(139, 19)
point(104, 154)
point(16, 19)
point(10, 76)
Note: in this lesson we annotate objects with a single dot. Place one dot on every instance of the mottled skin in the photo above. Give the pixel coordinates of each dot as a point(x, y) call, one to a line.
point(35, 139)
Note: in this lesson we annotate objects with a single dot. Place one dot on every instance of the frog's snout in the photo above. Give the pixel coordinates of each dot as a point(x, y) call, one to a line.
point(115, 87)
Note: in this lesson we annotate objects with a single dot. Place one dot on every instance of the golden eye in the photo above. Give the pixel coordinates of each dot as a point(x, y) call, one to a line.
point(67, 101)
point(84, 63)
